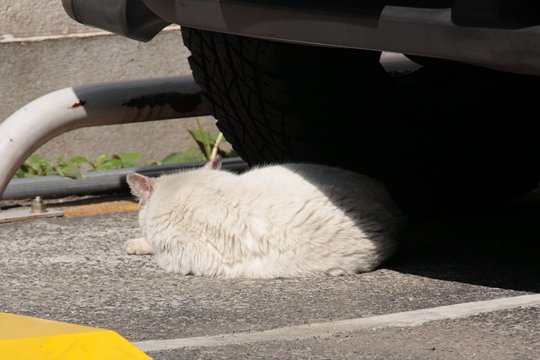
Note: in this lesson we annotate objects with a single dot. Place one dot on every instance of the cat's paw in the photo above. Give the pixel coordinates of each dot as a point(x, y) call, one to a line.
point(138, 246)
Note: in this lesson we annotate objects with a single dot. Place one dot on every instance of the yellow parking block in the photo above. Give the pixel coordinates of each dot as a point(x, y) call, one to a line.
point(23, 337)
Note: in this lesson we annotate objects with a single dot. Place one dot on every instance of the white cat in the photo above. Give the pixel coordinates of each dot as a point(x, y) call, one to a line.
point(275, 221)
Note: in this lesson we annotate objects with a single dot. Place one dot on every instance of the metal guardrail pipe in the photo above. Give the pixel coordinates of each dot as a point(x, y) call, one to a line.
point(92, 105)
point(98, 182)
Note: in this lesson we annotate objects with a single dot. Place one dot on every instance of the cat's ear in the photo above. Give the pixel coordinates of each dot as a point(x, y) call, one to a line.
point(141, 186)
point(214, 164)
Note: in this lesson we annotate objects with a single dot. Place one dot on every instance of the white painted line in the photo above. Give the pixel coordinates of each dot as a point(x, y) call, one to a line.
point(7, 38)
point(327, 329)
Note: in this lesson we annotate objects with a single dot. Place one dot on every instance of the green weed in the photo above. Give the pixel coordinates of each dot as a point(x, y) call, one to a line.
point(75, 167)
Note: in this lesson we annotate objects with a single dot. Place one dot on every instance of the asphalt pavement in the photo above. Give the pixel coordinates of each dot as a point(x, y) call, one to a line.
point(75, 270)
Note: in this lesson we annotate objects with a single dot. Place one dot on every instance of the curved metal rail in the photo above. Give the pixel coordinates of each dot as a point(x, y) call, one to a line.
point(92, 105)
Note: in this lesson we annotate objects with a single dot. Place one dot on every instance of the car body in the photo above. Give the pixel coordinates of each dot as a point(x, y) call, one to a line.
point(500, 34)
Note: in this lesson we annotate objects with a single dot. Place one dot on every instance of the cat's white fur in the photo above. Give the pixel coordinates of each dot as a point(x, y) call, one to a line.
point(275, 221)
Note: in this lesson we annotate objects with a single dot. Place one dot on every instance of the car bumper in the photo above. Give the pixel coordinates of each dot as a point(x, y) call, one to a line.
point(486, 37)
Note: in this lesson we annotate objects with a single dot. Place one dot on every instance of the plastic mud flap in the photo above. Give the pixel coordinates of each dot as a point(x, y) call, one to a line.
point(130, 18)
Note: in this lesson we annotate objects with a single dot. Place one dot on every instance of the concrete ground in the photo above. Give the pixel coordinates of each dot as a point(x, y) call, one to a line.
point(75, 270)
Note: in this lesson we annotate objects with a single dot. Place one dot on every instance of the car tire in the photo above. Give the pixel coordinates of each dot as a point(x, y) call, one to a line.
point(277, 102)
